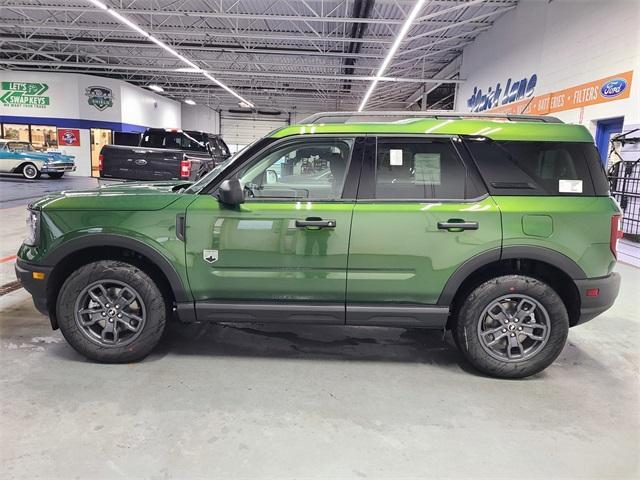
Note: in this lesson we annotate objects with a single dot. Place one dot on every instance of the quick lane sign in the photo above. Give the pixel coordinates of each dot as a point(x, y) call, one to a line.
point(607, 89)
point(22, 94)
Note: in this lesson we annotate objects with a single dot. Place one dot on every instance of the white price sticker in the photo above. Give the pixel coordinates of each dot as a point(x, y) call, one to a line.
point(570, 186)
point(395, 157)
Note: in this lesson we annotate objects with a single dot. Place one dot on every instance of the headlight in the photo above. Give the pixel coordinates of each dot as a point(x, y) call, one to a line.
point(33, 228)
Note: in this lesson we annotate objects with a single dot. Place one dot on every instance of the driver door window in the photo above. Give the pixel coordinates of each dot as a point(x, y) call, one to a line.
point(302, 170)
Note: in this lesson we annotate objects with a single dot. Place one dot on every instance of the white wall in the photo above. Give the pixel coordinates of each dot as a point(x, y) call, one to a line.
point(564, 42)
point(68, 99)
point(142, 107)
point(82, 155)
point(200, 117)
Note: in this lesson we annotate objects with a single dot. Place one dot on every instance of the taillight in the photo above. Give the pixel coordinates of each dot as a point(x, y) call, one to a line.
point(100, 162)
point(185, 168)
point(616, 234)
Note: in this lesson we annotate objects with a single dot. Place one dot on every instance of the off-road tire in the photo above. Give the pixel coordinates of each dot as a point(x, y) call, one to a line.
point(156, 308)
point(469, 315)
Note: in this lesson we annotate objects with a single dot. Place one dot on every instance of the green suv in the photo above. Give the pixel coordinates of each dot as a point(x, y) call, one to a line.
point(498, 228)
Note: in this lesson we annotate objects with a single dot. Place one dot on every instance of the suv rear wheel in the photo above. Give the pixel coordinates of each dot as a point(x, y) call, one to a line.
point(111, 312)
point(512, 326)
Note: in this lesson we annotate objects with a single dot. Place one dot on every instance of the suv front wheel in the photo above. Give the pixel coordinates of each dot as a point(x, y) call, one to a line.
point(512, 326)
point(111, 312)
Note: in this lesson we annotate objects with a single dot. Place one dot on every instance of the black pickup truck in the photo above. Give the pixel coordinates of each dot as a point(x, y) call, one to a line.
point(164, 154)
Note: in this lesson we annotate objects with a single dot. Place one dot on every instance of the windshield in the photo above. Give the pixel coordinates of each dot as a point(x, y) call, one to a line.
point(208, 178)
point(20, 147)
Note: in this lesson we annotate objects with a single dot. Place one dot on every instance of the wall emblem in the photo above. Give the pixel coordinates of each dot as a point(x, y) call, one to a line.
point(613, 88)
point(69, 137)
point(99, 97)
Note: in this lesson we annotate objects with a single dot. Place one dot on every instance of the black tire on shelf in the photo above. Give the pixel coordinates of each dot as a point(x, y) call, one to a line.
point(116, 282)
point(55, 175)
point(512, 326)
point(30, 171)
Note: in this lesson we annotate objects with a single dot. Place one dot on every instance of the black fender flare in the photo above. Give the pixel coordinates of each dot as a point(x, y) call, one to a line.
point(531, 252)
point(113, 240)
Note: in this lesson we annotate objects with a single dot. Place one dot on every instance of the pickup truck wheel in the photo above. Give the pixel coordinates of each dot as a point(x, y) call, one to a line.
point(55, 175)
point(111, 312)
point(30, 171)
point(512, 326)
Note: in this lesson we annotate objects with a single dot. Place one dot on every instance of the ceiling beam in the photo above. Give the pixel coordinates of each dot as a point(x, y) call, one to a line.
point(365, 78)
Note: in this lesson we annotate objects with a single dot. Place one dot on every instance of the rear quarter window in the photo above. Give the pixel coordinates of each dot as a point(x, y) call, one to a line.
point(539, 168)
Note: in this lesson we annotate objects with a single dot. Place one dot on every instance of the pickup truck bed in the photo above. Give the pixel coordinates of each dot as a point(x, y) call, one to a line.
point(144, 163)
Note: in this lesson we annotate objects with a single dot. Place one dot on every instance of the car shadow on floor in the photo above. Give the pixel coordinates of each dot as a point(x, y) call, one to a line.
point(311, 342)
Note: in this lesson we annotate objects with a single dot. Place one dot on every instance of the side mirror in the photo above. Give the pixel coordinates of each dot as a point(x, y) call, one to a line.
point(231, 192)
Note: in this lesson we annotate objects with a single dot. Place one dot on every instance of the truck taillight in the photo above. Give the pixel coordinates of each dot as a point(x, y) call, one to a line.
point(616, 234)
point(185, 168)
point(100, 162)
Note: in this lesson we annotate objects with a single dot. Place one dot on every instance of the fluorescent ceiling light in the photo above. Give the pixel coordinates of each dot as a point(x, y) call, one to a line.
point(394, 48)
point(156, 88)
point(188, 101)
point(187, 70)
point(160, 43)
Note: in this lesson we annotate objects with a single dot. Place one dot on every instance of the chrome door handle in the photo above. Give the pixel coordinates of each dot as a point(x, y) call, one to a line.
point(316, 223)
point(455, 224)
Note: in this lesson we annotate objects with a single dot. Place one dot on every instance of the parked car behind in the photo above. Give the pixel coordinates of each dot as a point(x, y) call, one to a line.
point(21, 157)
point(164, 154)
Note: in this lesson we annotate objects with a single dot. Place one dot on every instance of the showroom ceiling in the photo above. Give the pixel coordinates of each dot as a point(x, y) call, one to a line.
point(277, 54)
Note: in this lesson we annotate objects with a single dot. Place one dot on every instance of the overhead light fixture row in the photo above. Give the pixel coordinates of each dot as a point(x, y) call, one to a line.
point(392, 51)
point(160, 43)
point(188, 101)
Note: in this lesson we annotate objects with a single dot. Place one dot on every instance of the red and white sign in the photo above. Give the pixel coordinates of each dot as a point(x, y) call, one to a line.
point(68, 137)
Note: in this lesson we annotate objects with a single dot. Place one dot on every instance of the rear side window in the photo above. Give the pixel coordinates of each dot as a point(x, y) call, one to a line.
point(174, 140)
point(539, 168)
point(412, 169)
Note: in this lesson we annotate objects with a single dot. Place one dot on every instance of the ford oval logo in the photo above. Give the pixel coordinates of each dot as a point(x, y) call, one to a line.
point(140, 162)
point(613, 87)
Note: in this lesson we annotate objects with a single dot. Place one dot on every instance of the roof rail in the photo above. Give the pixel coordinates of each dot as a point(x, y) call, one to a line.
point(375, 116)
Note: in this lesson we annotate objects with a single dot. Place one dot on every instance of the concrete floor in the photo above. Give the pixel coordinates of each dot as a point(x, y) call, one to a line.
point(313, 402)
point(316, 402)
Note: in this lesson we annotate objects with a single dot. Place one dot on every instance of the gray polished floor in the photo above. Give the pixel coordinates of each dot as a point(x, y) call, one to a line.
point(317, 402)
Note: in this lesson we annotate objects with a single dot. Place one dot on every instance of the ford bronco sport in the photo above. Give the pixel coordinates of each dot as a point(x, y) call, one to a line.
point(498, 228)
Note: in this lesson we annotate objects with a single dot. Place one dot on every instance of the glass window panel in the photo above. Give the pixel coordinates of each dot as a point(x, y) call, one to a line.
point(14, 131)
point(302, 170)
point(44, 137)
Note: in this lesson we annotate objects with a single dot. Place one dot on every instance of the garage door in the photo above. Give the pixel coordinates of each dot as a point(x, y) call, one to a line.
point(243, 131)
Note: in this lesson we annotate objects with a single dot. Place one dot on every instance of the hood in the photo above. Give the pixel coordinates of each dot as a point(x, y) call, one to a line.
point(58, 157)
point(116, 197)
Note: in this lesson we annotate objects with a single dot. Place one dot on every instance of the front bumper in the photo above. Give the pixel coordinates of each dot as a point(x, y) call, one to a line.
point(58, 167)
point(37, 288)
point(593, 305)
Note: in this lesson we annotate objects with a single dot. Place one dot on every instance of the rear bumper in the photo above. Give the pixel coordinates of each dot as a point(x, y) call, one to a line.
point(37, 288)
point(592, 306)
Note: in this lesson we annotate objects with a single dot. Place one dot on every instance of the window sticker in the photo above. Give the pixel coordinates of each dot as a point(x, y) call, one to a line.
point(570, 186)
point(395, 157)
